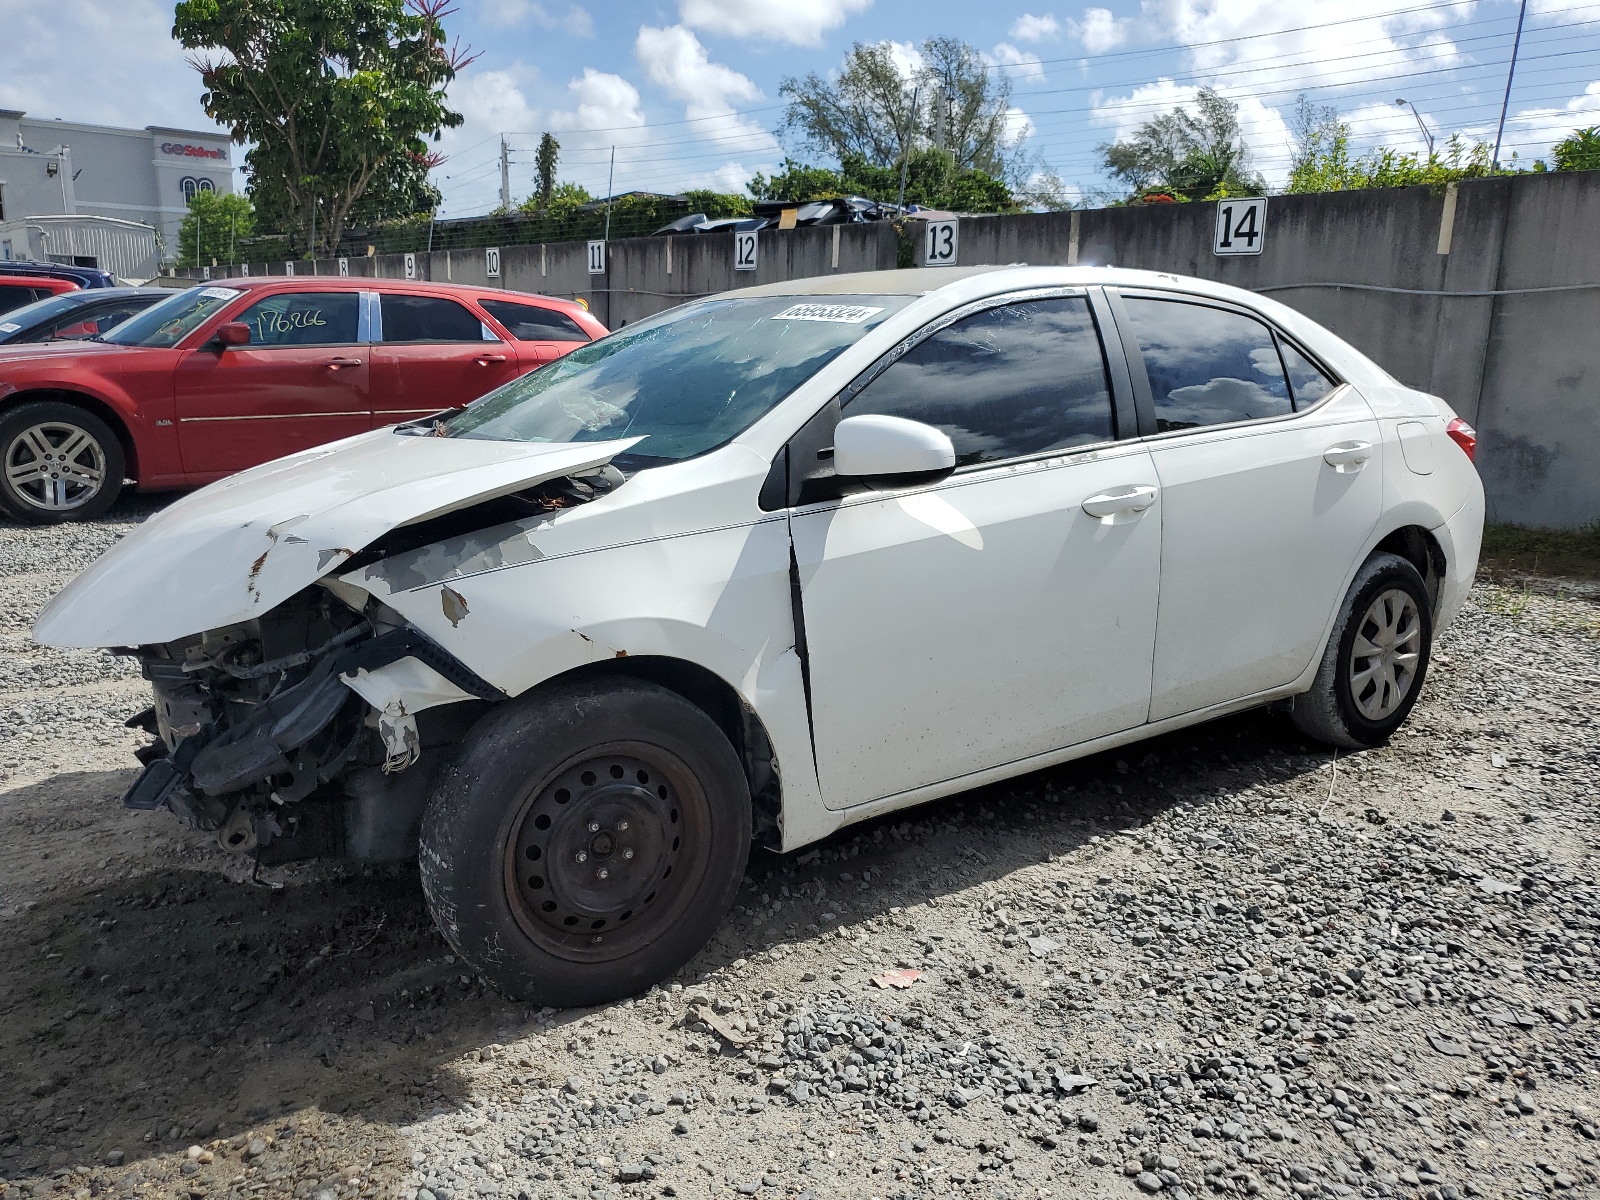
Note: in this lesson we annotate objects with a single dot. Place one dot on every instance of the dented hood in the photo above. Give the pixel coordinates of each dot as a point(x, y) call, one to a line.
point(240, 547)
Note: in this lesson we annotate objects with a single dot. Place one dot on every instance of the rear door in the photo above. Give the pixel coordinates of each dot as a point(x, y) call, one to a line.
point(1269, 492)
point(299, 382)
point(541, 334)
point(431, 353)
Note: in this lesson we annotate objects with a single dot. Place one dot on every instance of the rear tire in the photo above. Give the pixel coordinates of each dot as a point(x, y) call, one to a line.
point(1376, 659)
point(586, 841)
point(58, 462)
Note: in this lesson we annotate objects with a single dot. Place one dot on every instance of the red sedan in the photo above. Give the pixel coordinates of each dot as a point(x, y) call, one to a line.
point(222, 377)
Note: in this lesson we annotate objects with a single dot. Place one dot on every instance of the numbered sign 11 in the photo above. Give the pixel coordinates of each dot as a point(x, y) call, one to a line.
point(491, 261)
point(746, 250)
point(344, 268)
point(1241, 226)
point(411, 266)
point(597, 258)
point(942, 243)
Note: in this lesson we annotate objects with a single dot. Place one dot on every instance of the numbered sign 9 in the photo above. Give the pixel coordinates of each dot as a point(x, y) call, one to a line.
point(1241, 226)
point(411, 266)
point(746, 250)
point(491, 261)
point(943, 241)
point(597, 258)
point(344, 268)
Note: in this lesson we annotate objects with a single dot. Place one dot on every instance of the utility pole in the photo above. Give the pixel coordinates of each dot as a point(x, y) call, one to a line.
point(1511, 73)
point(611, 180)
point(505, 175)
point(905, 147)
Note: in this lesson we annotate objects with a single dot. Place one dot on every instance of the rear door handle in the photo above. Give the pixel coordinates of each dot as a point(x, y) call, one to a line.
point(1346, 457)
point(1132, 498)
point(338, 364)
point(483, 360)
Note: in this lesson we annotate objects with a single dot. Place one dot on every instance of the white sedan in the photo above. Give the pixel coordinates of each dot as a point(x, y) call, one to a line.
point(773, 562)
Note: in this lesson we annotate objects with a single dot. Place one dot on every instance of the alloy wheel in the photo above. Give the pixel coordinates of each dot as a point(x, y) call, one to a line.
point(1386, 654)
point(55, 466)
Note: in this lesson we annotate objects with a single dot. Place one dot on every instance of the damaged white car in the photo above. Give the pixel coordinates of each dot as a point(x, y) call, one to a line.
point(770, 563)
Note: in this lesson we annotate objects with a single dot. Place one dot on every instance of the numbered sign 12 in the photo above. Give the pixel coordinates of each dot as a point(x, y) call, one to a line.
point(746, 250)
point(597, 258)
point(943, 243)
point(1241, 226)
point(411, 266)
point(491, 261)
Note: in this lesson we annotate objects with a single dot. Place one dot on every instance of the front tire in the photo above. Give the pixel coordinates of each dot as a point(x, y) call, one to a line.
point(1376, 659)
point(586, 841)
point(58, 462)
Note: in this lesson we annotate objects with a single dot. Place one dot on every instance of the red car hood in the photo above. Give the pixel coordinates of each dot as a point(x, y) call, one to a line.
point(27, 352)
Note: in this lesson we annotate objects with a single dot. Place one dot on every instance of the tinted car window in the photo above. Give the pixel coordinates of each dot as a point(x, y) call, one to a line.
point(169, 322)
point(1306, 380)
point(530, 323)
point(1020, 379)
point(1207, 366)
point(428, 319)
point(13, 296)
point(303, 319)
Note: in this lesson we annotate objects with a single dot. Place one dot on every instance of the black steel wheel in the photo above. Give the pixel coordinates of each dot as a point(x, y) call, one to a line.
point(586, 841)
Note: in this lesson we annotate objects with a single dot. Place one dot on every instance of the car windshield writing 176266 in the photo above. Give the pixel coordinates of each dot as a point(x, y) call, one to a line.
point(686, 380)
point(168, 323)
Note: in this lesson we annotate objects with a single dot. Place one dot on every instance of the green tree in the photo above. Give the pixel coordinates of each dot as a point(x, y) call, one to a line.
point(548, 155)
point(330, 94)
point(214, 229)
point(1195, 154)
point(932, 179)
point(798, 182)
point(1579, 150)
point(1329, 166)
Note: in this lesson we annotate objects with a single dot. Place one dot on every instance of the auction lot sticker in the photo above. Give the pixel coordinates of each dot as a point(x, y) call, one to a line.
point(843, 314)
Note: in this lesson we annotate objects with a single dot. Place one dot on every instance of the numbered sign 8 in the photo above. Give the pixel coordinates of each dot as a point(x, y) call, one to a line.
point(597, 258)
point(746, 250)
point(344, 268)
point(491, 261)
point(1241, 226)
point(943, 241)
point(205, 272)
point(411, 266)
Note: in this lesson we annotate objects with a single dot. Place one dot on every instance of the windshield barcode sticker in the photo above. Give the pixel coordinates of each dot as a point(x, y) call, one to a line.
point(843, 314)
point(9, 327)
point(216, 293)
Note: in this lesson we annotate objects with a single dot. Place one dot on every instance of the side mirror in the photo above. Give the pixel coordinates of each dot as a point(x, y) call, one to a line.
point(233, 333)
point(874, 445)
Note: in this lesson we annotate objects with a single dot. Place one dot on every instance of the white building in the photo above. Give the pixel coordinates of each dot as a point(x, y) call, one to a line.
point(65, 170)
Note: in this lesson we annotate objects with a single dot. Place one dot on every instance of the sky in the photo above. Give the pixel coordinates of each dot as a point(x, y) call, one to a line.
point(687, 92)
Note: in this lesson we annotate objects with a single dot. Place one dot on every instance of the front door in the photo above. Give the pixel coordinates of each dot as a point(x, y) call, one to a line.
point(433, 353)
point(1270, 488)
point(986, 618)
point(300, 381)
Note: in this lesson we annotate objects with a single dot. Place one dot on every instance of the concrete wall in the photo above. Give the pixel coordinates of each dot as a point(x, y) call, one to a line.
point(1523, 368)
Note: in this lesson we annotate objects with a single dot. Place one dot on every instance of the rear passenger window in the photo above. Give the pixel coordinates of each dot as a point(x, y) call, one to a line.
point(530, 323)
point(1306, 380)
point(303, 319)
point(1020, 379)
point(429, 319)
point(1207, 366)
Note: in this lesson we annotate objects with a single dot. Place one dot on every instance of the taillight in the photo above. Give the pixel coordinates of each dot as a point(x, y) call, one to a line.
point(1465, 436)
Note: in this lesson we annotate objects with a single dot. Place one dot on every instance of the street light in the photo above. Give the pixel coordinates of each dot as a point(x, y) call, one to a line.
point(1426, 136)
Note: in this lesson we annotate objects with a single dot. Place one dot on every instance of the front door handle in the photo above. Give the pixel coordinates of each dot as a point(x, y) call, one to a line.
point(1132, 498)
point(483, 360)
point(339, 364)
point(1347, 457)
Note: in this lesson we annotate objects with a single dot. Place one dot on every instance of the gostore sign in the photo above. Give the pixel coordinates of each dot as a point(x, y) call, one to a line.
point(184, 150)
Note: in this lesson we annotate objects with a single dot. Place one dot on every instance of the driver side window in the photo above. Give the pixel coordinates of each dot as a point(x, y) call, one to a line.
point(303, 319)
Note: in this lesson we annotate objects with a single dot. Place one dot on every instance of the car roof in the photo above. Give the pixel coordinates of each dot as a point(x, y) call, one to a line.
point(921, 281)
point(346, 283)
point(38, 281)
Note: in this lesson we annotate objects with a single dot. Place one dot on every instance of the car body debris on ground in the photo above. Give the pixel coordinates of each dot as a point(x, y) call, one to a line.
point(1220, 963)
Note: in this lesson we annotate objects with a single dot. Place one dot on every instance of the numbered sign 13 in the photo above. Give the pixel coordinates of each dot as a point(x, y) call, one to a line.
point(943, 243)
point(1241, 226)
point(491, 261)
point(597, 258)
point(746, 250)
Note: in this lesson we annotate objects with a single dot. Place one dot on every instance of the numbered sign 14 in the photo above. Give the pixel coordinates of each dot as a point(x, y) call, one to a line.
point(597, 257)
point(746, 250)
point(1241, 226)
point(491, 261)
point(943, 244)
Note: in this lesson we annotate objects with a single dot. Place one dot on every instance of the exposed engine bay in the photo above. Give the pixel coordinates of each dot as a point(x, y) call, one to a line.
point(303, 732)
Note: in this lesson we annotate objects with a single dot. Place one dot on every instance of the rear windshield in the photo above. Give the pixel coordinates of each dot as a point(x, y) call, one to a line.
point(29, 315)
point(686, 380)
point(168, 323)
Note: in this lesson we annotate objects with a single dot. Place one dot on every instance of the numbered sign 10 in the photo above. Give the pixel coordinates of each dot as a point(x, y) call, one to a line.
point(942, 244)
point(491, 261)
point(1241, 226)
point(746, 250)
point(597, 258)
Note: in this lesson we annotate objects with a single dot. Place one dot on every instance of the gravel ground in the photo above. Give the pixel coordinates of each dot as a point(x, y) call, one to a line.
point(1221, 961)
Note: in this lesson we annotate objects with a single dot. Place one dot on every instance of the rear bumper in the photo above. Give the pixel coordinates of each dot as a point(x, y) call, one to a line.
point(1460, 538)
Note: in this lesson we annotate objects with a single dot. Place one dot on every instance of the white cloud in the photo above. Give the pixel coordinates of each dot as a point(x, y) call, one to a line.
point(575, 20)
point(799, 22)
point(905, 56)
point(1265, 132)
point(1029, 28)
point(674, 60)
point(1532, 131)
point(1019, 64)
point(1100, 30)
point(1019, 125)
